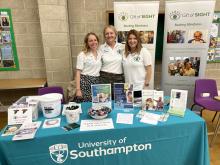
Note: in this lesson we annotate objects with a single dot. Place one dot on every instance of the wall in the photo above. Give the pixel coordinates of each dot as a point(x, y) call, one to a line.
point(28, 40)
point(49, 35)
point(56, 42)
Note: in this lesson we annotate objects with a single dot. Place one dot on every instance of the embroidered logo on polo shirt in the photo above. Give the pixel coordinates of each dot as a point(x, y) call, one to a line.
point(137, 58)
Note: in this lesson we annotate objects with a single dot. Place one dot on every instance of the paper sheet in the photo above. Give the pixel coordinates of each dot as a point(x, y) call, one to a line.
point(150, 118)
point(90, 125)
point(125, 118)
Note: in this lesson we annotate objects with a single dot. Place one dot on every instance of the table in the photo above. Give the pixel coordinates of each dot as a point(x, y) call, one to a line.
point(22, 83)
point(179, 141)
point(12, 89)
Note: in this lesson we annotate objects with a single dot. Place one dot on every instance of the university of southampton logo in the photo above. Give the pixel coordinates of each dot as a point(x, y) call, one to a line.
point(59, 153)
point(174, 15)
point(123, 16)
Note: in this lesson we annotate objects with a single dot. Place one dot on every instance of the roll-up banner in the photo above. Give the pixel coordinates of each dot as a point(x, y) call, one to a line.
point(141, 16)
point(186, 41)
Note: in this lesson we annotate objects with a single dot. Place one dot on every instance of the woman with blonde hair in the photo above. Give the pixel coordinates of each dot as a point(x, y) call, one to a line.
point(88, 67)
point(137, 62)
point(111, 71)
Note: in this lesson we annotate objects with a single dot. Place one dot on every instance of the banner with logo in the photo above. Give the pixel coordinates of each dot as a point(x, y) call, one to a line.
point(141, 16)
point(186, 41)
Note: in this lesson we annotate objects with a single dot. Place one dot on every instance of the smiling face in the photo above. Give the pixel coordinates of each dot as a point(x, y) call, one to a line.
point(110, 36)
point(197, 36)
point(132, 42)
point(92, 42)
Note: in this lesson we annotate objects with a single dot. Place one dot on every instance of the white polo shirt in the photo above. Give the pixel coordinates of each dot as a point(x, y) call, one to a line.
point(134, 68)
point(112, 58)
point(88, 64)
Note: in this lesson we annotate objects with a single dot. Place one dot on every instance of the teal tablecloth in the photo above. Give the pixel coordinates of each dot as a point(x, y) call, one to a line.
point(179, 141)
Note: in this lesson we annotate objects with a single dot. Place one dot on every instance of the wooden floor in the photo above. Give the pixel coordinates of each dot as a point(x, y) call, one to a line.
point(214, 151)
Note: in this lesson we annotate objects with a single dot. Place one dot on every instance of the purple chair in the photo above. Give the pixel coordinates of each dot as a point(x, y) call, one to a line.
point(52, 89)
point(204, 93)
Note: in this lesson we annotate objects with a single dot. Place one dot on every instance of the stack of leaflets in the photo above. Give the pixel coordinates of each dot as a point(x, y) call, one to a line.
point(101, 95)
point(178, 102)
point(11, 129)
point(27, 131)
point(152, 100)
point(123, 94)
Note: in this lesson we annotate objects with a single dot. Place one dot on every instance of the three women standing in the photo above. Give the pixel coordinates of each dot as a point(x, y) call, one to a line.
point(112, 60)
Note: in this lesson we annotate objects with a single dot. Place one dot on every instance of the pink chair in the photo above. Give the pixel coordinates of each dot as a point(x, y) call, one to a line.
point(204, 93)
point(52, 89)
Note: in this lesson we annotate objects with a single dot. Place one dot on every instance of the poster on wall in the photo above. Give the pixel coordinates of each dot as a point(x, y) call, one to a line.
point(213, 55)
point(186, 42)
point(141, 16)
point(8, 52)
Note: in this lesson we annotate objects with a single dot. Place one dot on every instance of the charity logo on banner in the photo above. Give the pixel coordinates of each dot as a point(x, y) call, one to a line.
point(141, 16)
point(186, 41)
point(59, 153)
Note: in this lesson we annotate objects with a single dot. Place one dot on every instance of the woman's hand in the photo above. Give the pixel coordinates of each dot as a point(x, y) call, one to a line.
point(146, 84)
point(78, 93)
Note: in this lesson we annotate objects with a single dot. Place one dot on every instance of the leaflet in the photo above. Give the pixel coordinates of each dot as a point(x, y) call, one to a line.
point(101, 95)
point(123, 96)
point(178, 102)
point(27, 131)
point(51, 123)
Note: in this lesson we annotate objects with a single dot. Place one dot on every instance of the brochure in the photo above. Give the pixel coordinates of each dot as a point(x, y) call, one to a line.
point(11, 129)
point(27, 131)
point(152, 100)
point(51, 123)
point(123, 94)
point(147, 100)
point(178, 102)
point(101, 95)
point(18, 114)
point(159, 100)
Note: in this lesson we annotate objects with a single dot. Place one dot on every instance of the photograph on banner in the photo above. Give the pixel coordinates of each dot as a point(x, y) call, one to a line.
point(122, 36)
point(184, 66)
point(5, 21)
point(6, 37)
point(176, 36)
point(7, 57)
point(197, 36)
point(147, 37)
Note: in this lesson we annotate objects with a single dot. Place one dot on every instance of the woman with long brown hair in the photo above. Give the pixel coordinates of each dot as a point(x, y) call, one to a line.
point(137, 62)
point(88, 67)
